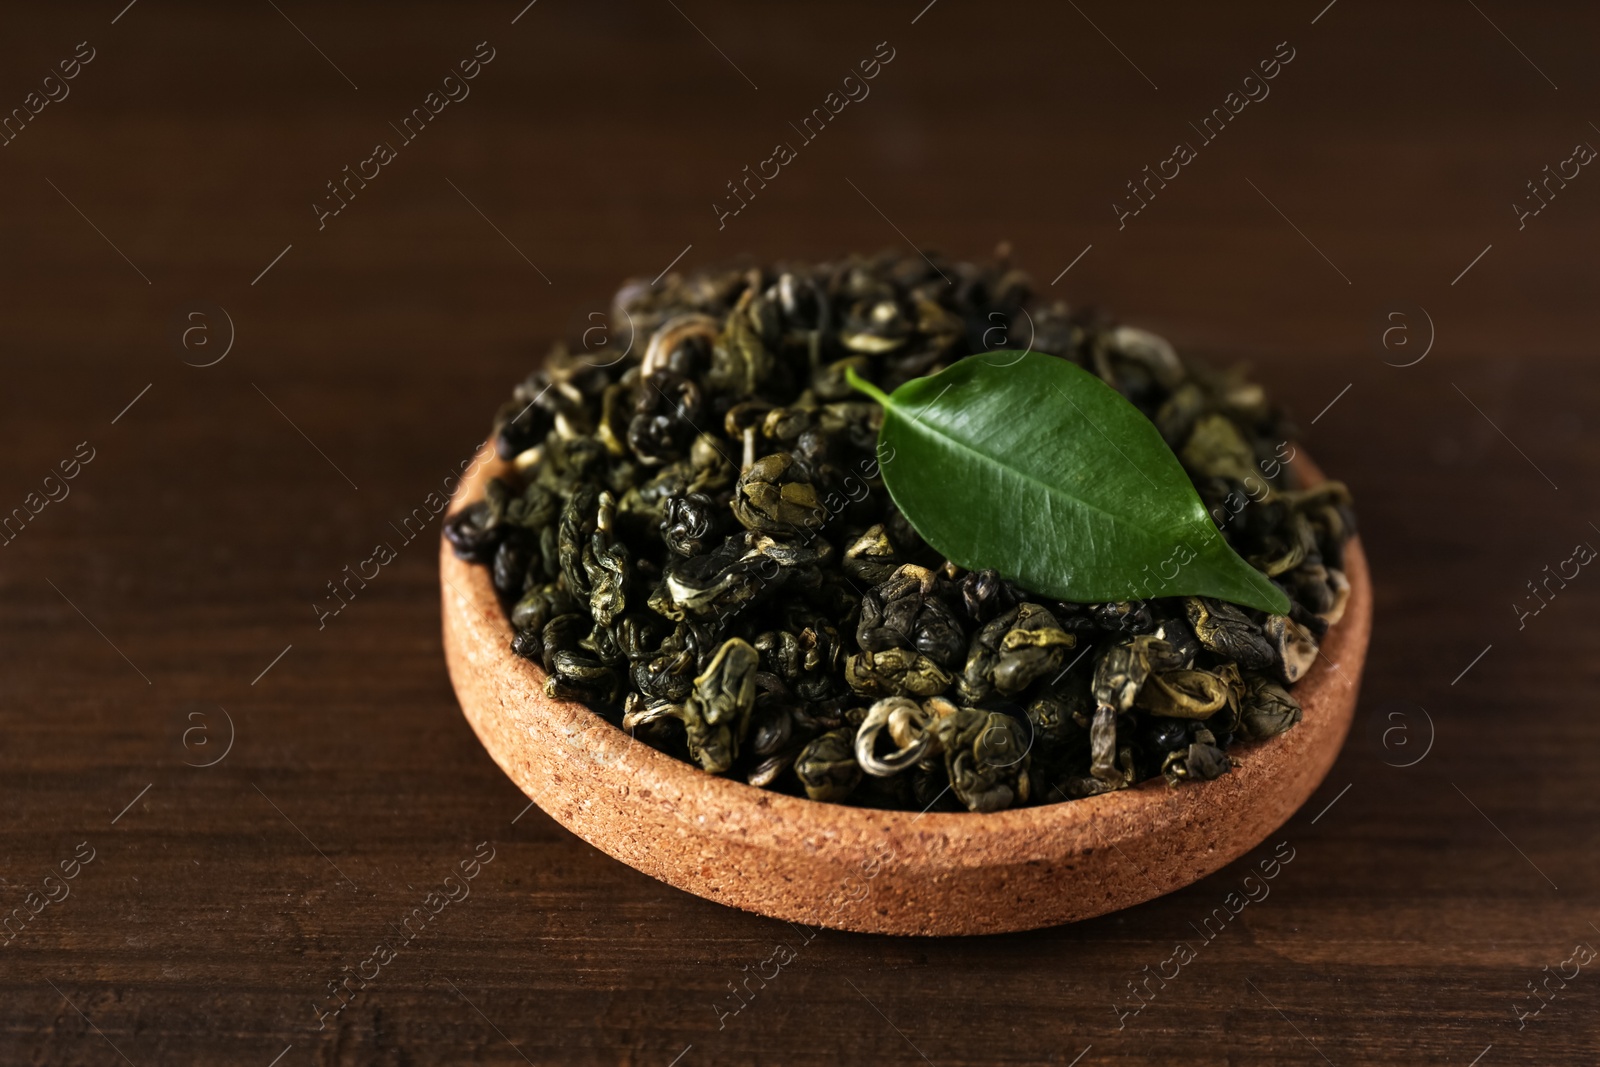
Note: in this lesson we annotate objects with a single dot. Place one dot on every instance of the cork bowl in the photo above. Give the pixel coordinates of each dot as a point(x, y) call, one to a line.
point(886, 872)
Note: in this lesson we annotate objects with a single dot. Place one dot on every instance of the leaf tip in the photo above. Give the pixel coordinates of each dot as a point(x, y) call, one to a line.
point(1272, 598)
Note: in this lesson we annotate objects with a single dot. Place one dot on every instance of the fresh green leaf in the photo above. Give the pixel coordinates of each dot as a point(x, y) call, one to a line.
point(1029, 465)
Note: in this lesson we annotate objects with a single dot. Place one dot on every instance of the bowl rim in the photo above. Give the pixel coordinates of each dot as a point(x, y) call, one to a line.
point(1037, 832)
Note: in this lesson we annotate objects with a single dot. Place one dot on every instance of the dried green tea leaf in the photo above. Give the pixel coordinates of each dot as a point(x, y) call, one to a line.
point(694, 539)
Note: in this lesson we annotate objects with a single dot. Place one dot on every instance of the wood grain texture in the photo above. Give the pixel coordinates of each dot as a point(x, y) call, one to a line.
point(190, 552)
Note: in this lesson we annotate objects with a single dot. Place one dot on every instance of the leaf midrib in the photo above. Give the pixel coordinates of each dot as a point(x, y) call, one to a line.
point(1046, 486)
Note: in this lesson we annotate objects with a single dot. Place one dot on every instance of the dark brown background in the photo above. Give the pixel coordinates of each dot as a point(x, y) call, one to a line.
point(196, 542)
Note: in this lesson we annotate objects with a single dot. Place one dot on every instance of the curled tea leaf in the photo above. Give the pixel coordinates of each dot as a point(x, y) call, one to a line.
point(1203, 760)
point(1185, 694)
point(827, 766)
point(907, 724)
point(986, 757)
point(1268, 710)
point(894, 671)
point(717, 714)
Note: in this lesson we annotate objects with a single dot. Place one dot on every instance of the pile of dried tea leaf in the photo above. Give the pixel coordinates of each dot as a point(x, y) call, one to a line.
point(696, 543)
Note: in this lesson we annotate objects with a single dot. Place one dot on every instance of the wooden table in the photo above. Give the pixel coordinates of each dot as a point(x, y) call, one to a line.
point(165, 604)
